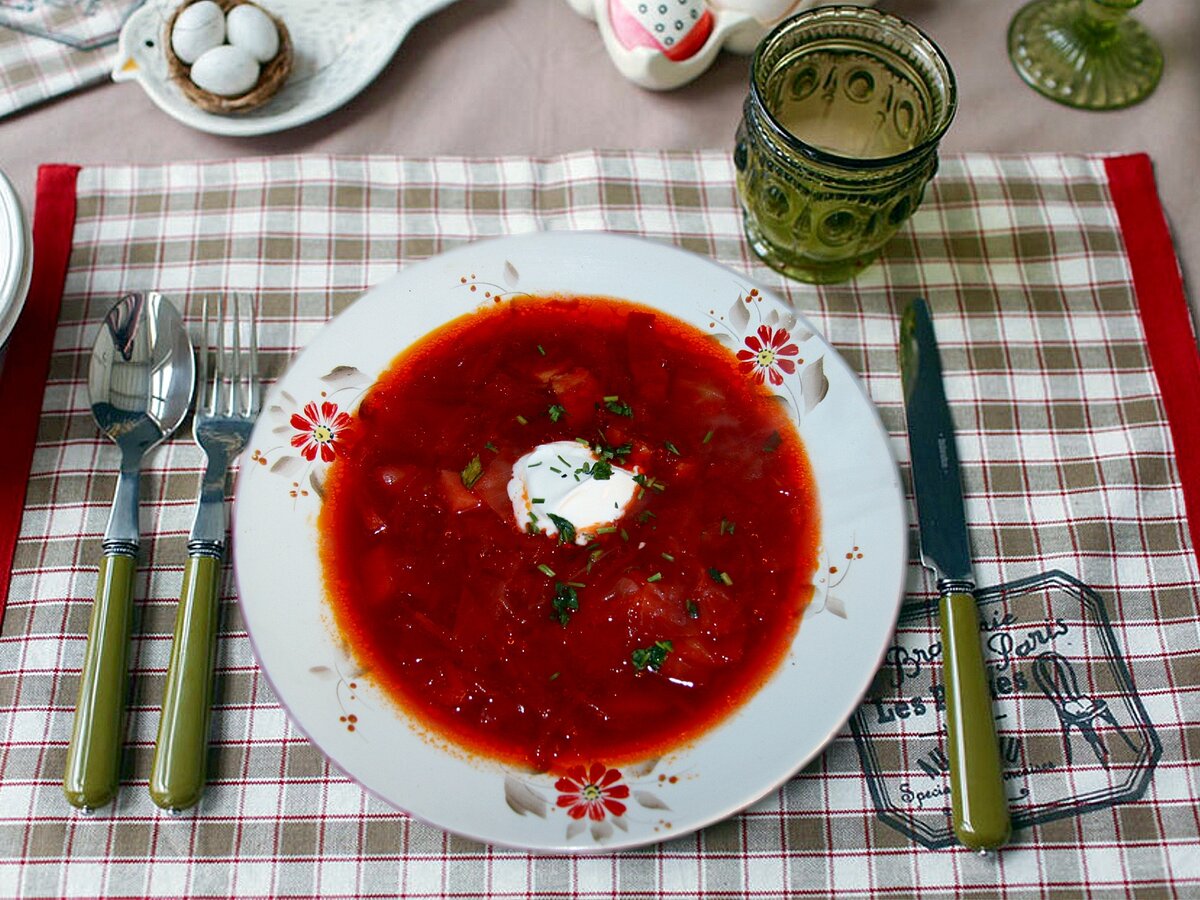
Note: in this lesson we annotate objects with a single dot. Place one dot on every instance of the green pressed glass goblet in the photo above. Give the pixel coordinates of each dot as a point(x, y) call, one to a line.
point(838, 138)
point(1085, 53)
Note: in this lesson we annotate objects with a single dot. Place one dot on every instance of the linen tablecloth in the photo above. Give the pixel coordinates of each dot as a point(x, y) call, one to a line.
point(1072, 371)
point(52, 47)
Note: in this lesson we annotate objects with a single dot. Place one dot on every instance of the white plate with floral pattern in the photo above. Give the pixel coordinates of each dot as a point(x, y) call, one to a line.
point(837, 649)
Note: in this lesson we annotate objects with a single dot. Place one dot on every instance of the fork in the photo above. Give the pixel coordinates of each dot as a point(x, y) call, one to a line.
point(225, 414)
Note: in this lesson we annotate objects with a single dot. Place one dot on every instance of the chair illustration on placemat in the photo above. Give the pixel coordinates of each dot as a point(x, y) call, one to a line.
point(1056, 677)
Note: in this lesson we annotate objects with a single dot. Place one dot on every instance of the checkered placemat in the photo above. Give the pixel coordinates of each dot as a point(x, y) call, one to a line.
point(1076, 495)
point(53, 47)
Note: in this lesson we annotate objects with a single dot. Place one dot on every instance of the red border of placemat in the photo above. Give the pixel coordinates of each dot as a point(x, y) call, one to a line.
point(1158, 284)
point(27, 359)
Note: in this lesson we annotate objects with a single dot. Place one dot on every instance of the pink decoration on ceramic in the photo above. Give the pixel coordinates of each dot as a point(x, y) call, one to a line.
point(662, 44)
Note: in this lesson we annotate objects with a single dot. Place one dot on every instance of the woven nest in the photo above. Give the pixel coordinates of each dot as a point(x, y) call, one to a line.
point(271, 76)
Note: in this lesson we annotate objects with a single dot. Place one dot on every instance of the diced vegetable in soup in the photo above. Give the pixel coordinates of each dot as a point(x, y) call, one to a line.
point(500, 624)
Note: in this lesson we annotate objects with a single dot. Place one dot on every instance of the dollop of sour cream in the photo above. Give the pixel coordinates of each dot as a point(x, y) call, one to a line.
point(554, 479)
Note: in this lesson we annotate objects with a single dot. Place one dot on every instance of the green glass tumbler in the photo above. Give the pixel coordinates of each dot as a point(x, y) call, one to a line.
point(838, 138)
point(1085, 53)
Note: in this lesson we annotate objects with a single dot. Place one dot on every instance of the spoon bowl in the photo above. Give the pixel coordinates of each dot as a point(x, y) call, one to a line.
point(140, 383)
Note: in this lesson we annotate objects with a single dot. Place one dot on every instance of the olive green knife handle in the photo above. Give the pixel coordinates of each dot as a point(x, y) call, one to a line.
point(181, 752)
point(980, 805)
point(94, 754)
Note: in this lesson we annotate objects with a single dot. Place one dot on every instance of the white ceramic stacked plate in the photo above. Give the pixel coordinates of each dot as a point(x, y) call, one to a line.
point(16, 258)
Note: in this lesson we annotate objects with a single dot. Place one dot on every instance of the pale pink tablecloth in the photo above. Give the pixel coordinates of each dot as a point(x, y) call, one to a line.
point(531, 77)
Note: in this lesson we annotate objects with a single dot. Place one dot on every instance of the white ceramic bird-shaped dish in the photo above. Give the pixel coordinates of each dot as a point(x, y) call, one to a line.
point(662, 44)
point(340, 46)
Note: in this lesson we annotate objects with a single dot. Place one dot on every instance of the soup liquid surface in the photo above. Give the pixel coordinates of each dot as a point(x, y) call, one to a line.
point(451, 609)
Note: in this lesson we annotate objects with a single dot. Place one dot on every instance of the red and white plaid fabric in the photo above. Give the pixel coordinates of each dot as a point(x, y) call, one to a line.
point(1069, 464)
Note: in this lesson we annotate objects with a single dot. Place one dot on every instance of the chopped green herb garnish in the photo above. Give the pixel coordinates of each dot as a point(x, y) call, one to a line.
point(471, 473)
point(673, 449)
point(556, 412)
point(602, 470)
point(668, 557)
point(649, 481)
point(538, 500)
point(651, 657)
point(645, 515)
point(772, 443)
point(555, 676)
point(490, 446)
point(611, 398)
point(522, 420)
point(541, 350)
point(693, 610)
point(556, 469)
point(593, 558)
point(657, 576)
point(533, 465)
point(607, 529)
point(722, 577)
point(530, 527)
point(618, 407)
point(545, 570)
point(727, 526)
point(563, 461)
point(707, 438)
point(624, 535)
point(566, 601)
point(715, 574)
point(566, 531)
point(576, 584)
point(583, 441)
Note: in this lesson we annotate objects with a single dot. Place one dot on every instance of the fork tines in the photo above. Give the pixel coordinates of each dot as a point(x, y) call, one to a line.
point(234, 389)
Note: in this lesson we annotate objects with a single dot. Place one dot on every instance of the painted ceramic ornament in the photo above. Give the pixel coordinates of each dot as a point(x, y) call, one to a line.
point(226, 71)
point(199, 28)
point(662, 44)
point(251, 29)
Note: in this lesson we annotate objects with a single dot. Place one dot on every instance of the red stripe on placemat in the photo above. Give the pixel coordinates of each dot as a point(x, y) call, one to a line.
point(1159, 287)
point(27, 360)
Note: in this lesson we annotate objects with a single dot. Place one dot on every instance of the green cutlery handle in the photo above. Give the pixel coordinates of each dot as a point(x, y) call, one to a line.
point(980, 805)
point(181, 751)
point(94, 754)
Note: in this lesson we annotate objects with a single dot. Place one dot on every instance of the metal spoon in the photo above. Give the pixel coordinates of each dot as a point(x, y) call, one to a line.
point(140, 385)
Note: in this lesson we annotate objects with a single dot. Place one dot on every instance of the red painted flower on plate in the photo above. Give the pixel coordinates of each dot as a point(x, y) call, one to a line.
point(319, 429)
point(593, 792)
point(767, 356)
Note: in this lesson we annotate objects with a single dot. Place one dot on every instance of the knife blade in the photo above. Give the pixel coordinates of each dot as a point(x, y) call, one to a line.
point(978, 800)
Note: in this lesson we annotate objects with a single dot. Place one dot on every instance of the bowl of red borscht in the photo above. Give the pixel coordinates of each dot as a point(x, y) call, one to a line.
point(569, 541)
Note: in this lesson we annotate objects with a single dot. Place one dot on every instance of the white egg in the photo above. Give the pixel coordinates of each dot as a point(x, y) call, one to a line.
point(200, 27)
point(251, 29)
point(226, 71)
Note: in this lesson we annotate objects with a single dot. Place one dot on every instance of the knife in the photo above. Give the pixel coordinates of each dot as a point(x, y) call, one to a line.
point(979, 803)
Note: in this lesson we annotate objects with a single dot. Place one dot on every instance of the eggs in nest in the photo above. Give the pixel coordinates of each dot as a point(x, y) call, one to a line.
point(225, 51)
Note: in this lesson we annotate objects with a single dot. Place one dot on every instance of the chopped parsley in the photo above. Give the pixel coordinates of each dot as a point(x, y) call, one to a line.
point(607, 529)
point(541, 350)
point(471, 473)
point(602, 470)
point(707, 438)
point(618, 407)
point(651, 657)
point(649, 481)
point(566, 601)
point(566, 531)
point(727, 526)
point(556, 412)
point(672, 448)
point(720, 577)
point(490, 446)
point(545, 570)
point(657, 576)
point(593, 558)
